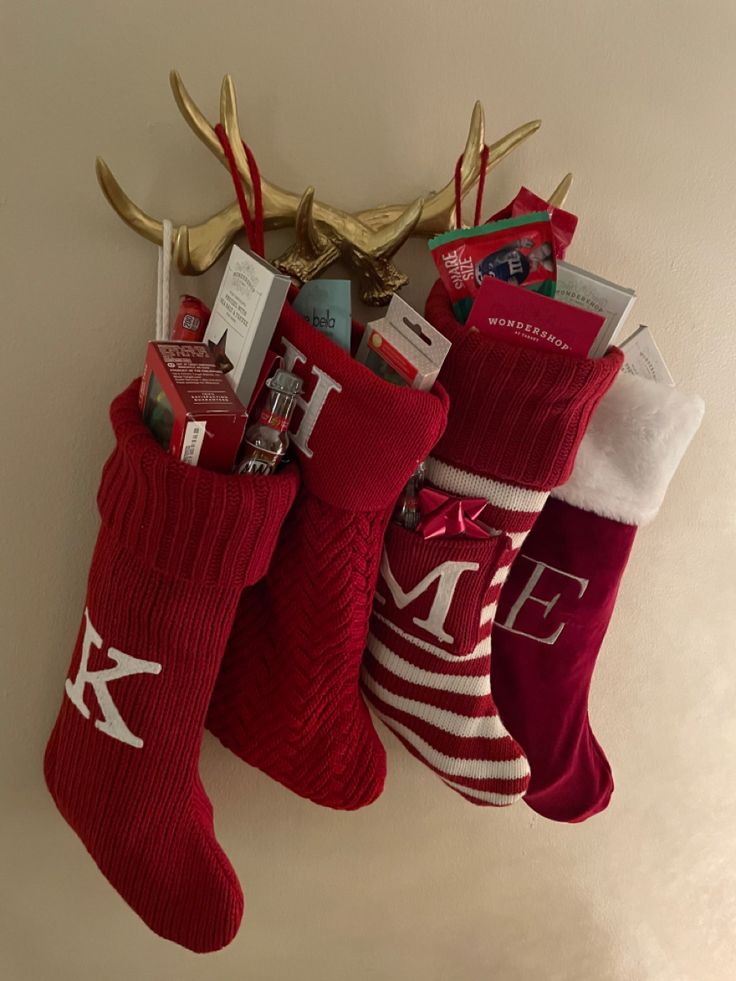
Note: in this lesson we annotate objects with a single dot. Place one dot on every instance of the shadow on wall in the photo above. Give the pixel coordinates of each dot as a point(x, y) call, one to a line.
point(383, 874)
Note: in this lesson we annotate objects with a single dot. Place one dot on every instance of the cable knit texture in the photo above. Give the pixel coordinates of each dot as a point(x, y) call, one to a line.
point(288, 699)
point(175, 548)
point(556, 606)
point(516, 419)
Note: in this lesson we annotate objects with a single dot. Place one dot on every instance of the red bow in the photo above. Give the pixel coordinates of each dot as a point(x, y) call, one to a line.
point(446, 516)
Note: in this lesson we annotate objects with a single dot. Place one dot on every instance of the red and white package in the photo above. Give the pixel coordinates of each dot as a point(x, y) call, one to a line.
point(563, 223)
point(518, 250)
point(189, 405)
point(191, 319)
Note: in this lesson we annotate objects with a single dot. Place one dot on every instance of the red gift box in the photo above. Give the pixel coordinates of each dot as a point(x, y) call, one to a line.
point(189, 405)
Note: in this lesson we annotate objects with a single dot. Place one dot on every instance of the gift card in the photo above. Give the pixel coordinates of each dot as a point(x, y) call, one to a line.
point(524, 317)
point(590, 292)
point(642, 357)
point(244, 317)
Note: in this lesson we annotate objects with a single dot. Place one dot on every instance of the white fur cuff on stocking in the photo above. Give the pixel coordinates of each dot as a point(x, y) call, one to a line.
point(632, 448)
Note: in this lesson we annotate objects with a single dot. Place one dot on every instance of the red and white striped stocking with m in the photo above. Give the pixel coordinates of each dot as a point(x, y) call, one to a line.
point(516, 419)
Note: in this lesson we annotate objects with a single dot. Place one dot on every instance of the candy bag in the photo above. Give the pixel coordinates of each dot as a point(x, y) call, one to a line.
point(517, 250)
point(564, 223)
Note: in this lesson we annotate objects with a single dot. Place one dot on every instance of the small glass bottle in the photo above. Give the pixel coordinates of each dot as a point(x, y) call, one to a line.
point(267, 440)
point(407, 511)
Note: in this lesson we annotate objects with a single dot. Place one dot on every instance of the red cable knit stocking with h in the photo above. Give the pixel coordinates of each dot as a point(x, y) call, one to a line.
point(516, 419)
point(291, 704)
point(175, 549)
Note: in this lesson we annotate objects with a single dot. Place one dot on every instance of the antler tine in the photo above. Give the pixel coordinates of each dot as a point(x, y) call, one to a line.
point(132, 215)
point(499, 150)
point(438, 212)
point(382, 243)
point(470, 168)
point(181, 252)
point(308, 235)
point(438, 209)
point(195, 249)
point(558, 196)
point(280, 205)
point(229, 118)
point(389, 238)
point(312, 250)
point(194, 118)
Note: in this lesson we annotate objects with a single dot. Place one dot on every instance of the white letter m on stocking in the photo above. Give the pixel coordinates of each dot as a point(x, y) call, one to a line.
point(446, 575)
point(112, 721)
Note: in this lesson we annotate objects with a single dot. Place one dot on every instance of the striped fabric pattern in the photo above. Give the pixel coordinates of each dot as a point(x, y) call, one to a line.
point(426, 670)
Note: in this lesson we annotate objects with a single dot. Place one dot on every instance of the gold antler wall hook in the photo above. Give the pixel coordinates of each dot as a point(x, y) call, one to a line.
point(366, 241)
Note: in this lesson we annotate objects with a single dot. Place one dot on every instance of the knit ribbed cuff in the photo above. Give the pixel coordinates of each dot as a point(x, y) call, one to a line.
point(517, 414)
point(358, 437)
point(632, 449)
point(189, 523)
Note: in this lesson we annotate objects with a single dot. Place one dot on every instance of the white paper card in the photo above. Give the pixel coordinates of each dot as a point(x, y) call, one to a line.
point(642, 357)
point(587, 291)
point(192, 443)
point(244, 317)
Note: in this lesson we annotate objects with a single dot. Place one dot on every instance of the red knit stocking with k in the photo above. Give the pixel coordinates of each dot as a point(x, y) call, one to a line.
point(516, 419)
point(175, 548)
point(291, 704)
point(557, 603)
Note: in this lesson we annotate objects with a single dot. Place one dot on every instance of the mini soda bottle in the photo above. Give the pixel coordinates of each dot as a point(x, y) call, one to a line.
point(407, 511)
point(267, 441)
point(191, 320)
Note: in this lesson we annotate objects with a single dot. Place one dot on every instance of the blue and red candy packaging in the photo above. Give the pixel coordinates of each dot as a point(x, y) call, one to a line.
point(519, 251)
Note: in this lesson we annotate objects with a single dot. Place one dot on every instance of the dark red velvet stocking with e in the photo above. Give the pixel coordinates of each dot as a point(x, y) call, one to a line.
point(558, 600)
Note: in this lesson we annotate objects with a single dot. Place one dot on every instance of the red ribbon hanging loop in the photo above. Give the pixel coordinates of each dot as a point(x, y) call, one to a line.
point(481, 188)
point(254, 227)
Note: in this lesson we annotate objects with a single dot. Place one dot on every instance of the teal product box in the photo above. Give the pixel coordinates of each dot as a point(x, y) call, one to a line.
point(325, 303)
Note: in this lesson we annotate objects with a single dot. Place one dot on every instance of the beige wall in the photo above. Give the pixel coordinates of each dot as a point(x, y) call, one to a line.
point(371, 101)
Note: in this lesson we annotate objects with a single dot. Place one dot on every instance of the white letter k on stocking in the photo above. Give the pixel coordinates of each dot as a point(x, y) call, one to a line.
point(112, 721)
